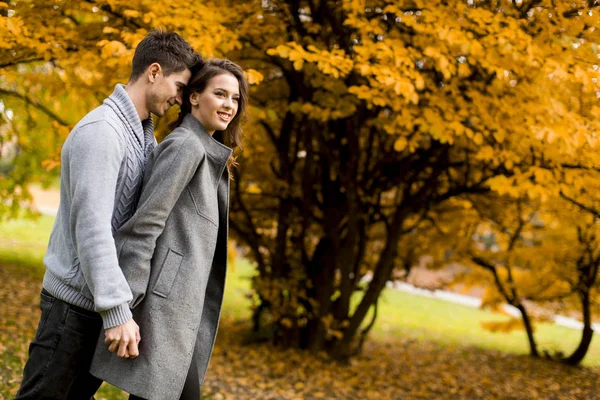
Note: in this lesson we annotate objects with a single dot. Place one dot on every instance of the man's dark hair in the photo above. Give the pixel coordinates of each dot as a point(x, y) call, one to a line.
point(168, 49)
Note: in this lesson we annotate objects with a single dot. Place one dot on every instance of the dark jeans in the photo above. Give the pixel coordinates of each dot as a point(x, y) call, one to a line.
point(61, 353)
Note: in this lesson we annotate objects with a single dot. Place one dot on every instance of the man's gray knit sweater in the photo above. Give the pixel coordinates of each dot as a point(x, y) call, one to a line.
point(103, 161)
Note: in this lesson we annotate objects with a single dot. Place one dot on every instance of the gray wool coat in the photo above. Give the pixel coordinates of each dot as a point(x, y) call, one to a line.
point(173, 252)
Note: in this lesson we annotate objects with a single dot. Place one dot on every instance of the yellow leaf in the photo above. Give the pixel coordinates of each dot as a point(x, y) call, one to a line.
point(109, 29)
point(253, 188)
point(254, 77)
point(464, 70)
point(419, 83)
point(286, 322)
point(112, 48)
point(281, 50)
point(131, 13)
point(503, 326)
point(400, 144)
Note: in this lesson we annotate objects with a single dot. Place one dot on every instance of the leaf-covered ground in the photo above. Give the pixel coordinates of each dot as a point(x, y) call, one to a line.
point(392, 370)
point(396, 369)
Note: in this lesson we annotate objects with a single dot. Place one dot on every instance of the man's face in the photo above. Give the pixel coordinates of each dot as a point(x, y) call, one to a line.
point(166, 91)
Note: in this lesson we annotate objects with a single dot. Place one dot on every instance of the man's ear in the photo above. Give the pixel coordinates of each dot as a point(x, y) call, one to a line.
point(153, 71)
point(194, 98)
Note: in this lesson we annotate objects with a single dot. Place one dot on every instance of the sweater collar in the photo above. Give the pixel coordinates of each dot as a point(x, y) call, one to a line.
point(143, 131)
point(212, 146)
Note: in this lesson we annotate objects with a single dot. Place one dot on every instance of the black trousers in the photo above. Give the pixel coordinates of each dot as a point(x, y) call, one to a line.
point(61, 353)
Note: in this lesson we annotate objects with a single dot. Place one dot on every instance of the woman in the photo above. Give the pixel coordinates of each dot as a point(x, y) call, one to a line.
point(173, 251)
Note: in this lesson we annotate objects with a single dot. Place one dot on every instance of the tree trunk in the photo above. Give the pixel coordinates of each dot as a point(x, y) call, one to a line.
point(529, 329)
point(587, 334)
point(321, 273)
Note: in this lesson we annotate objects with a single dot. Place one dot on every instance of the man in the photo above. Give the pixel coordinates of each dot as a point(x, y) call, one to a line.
point(103, 160)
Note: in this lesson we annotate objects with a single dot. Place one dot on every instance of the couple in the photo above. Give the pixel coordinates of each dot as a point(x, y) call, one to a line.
point(141, 233)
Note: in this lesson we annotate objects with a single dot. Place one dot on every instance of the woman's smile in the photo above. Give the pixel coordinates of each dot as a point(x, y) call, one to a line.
point(225, 116)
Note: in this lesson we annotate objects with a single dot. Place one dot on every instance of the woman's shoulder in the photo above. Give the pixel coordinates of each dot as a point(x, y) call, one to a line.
point(184, 138)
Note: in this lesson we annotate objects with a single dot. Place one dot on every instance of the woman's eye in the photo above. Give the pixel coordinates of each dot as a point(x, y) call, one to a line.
point(236, 99)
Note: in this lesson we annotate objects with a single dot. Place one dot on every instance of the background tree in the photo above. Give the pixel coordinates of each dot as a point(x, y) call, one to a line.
point(504, 245)
point(372, 114)
point(59, 59)
point(540, 256)
point(370, 118)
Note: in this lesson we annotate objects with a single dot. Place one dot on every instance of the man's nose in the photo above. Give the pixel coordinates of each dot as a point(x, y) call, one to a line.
point(179, 99)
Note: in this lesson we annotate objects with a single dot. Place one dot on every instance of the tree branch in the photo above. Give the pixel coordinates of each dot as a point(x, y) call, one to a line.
point(583, 207)
point(35, 104)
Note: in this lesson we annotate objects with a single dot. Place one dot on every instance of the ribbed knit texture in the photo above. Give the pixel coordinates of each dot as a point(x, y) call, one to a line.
point(113, 317)
point(140, 142)
point(109, 145)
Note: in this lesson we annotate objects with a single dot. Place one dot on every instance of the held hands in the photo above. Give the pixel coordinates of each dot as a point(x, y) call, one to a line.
point(123, 339)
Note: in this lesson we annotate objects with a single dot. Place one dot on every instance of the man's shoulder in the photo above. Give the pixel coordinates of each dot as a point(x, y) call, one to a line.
point(99, 129)
point(101, 116)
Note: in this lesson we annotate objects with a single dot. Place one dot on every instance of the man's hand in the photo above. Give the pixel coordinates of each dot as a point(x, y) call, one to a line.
point(123, 339)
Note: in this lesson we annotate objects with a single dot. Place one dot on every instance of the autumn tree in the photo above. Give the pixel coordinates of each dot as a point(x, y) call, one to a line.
point(371, 115)
point(59, 59)
point(585, 284)
point(581, 183)
point(534, 254)
point(503, 240)
point(368, 118)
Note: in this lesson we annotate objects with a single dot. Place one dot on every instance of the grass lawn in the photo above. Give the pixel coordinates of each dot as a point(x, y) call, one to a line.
point(24, 242)
point(402, 316)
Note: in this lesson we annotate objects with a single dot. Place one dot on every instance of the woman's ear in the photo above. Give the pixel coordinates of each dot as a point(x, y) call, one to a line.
point(194, 98)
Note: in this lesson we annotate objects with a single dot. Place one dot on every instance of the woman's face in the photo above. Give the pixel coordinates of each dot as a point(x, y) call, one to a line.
point(216, 106)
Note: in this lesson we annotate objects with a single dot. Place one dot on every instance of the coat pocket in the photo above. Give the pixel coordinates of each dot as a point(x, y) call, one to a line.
point(168, 273)
point(206, 206)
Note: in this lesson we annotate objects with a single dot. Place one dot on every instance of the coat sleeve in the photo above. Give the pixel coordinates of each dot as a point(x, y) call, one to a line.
point(175, 162)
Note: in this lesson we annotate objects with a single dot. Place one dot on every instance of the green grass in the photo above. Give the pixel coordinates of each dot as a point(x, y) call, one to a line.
point(404, 314)
point(236, 304)
point(23, 242)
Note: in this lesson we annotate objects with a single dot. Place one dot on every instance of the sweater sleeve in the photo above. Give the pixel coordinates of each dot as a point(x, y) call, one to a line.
point(94, 161)
point(176, 160)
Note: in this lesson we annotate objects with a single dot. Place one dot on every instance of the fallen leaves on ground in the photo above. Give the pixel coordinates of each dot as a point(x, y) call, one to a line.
point(19, 315)
point(399, 369)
